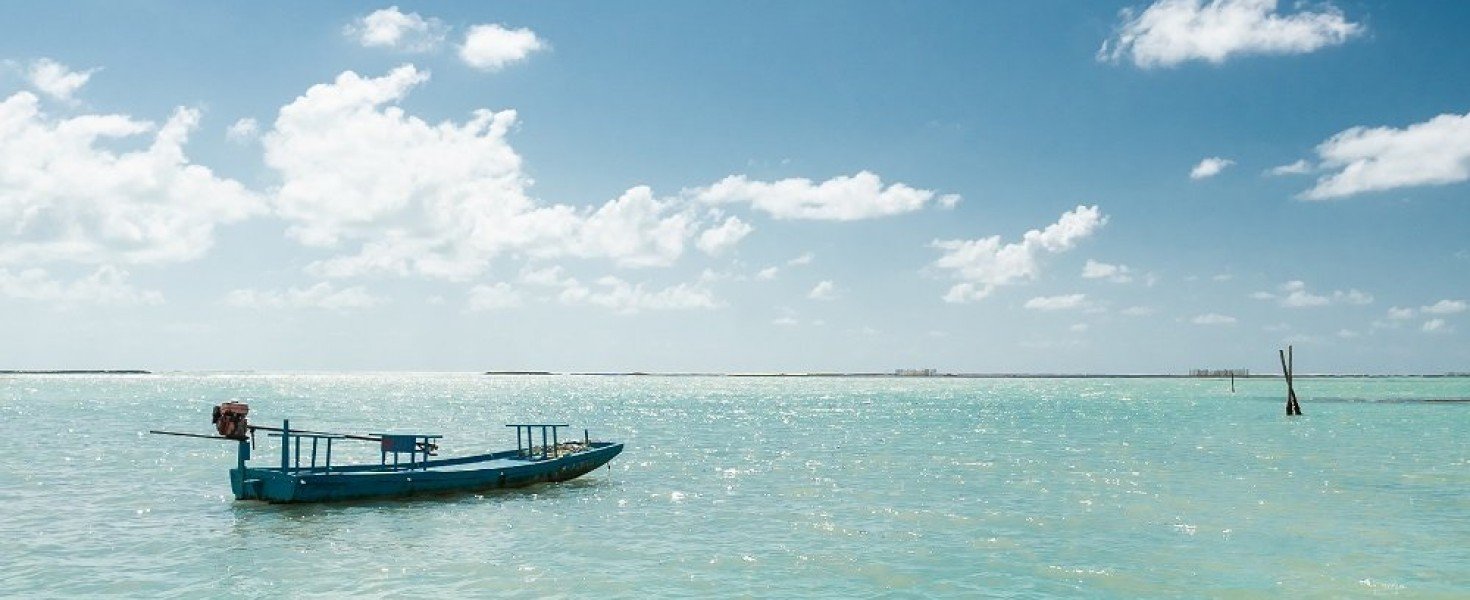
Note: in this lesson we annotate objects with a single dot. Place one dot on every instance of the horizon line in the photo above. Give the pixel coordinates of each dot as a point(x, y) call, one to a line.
point(748, 374)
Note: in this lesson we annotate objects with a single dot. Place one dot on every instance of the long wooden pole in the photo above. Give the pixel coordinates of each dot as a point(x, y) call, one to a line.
point(365, 438)
point(1296, 406)
point(1286, 374)
point(1293, 408)
point(192, 435)
point(1291, 383)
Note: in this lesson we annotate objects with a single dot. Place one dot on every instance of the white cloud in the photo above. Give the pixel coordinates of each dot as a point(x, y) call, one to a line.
point(384, 191)
point(1352, 297)
point(1348, 334)
point(1079, 327)
point(1435, 326)
point(66, 196)
point(322, 295)
point(107, 285)
point(1302, 338)
point(636, 230)
point(716, 240)
point(1445, 307)
point(709, 275)
point(1300, 167)
point(1213, 319)
point(1294, 294)
point(438, 200)
point(1297, 296)
point(56, 80)
point(1064, 302)
point(1222, 277)
point(824, 290)
point(345, 160)
point(243, 130)
point(1101, 270)
point(1137, 311)
point(620, 296)
point(492, 47)
point(1209, 167)
point(1361, 159)
point(842, 198)
point(771, 271)
point(495, 296)
point(1304, 299)
point(785, 321)
point(550, 275)
point(982, 265)
point(1171, 32)
point(391, 28)
point(1400, 314)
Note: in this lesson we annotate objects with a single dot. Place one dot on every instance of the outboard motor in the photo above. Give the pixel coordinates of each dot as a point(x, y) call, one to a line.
point(229, 420)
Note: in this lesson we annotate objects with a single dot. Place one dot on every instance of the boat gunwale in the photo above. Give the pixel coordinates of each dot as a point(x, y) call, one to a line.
point(276, 486)
point(594, 448)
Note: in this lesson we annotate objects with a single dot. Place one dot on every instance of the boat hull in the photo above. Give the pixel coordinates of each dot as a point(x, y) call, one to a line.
point(474, 473)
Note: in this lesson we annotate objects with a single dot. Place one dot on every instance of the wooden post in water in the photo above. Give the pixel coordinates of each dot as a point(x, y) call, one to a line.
point(1291, 384)
point(1232, 381)
point(1292, 407)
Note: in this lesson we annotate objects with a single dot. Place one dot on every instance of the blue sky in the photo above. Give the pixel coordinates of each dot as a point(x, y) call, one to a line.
point(974, 187)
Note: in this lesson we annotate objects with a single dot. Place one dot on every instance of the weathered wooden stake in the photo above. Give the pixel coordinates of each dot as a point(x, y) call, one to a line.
point(1232, 381)
point(1287, 365)
point(1291, 390)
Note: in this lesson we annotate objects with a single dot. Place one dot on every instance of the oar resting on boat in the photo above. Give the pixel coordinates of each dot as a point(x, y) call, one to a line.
point(307, 474)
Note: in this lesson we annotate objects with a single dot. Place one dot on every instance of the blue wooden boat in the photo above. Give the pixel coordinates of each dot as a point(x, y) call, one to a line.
point(407, 465)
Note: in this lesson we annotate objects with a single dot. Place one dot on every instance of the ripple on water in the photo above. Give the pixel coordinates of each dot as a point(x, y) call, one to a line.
point(747, 486)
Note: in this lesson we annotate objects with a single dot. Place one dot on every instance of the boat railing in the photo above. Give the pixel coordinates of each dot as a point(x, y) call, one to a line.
point(291, 450)
point(316, 457)
point(528, 450)
point(418, 446)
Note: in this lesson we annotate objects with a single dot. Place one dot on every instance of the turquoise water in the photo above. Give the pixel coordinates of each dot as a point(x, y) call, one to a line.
point(760, 487)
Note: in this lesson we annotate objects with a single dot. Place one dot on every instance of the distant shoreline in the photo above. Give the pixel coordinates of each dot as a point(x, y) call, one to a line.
point(77, 372)
point(824, 374)
point(982, 375)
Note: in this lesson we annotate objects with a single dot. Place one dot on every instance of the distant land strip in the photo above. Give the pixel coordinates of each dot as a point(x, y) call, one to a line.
point(980, 375)
point(79, 372)
point(1389, 400)
point(838, 374)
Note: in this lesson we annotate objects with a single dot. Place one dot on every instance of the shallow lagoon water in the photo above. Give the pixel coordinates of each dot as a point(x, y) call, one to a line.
point(809, 487)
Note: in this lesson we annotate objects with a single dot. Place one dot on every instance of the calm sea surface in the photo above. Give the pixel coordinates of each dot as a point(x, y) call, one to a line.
point(759, 487)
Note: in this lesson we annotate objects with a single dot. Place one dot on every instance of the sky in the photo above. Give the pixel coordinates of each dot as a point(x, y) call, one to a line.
point(1102, 187)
